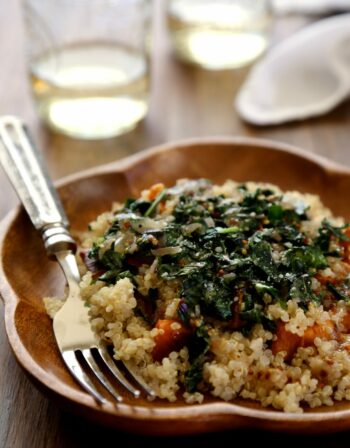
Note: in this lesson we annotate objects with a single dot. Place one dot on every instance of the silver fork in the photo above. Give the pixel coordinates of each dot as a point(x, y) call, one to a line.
point(84, 356)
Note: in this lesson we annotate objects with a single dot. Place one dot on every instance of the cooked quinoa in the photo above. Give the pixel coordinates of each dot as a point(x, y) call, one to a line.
point(238, 290)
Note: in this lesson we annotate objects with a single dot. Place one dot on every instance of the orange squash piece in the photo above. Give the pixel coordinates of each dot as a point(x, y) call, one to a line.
point(155, 190)
point(318, 331)
point(173, 337)
point(285, 341)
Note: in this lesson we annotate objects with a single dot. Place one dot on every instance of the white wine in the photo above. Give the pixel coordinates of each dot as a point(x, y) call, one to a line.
point(91, 91)
point(219, 34)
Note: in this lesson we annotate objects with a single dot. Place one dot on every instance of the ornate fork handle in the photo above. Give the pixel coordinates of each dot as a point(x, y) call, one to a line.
point(23, 165)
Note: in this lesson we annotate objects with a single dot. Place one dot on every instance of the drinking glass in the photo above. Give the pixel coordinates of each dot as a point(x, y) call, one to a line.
point(88, 64)
point(219, 34)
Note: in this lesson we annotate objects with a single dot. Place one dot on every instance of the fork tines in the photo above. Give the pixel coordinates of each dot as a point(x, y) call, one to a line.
point(97, 363)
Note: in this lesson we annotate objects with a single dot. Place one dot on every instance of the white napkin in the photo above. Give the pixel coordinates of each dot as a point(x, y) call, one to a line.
point(307, 74)
point(309, 6)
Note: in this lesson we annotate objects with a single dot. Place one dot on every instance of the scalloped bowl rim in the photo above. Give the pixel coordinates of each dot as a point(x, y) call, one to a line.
point(181, 412)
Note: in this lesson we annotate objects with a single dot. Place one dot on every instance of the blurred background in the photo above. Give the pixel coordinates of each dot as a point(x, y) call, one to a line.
point(185, 100)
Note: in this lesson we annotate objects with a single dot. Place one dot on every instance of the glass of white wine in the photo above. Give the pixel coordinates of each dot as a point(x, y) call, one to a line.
point(88, 64)
point(219, 34)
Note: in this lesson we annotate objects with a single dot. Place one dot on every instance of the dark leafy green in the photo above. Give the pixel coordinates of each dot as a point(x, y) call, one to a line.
point(198, 349)
point(326, 232)
point(227, 258)
point(260, 253)
point(338, 293)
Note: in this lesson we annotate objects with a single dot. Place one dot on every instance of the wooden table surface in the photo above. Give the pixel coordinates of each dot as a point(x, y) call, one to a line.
point(185, 102)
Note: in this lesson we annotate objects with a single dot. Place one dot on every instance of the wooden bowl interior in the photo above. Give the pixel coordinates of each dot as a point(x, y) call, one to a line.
point(30, 276)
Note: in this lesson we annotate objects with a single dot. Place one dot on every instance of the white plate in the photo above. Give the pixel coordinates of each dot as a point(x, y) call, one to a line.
point(306, 75)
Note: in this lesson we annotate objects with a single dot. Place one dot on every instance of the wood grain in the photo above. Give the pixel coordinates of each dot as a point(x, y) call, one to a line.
point(88, 194)
point(27, 275)
point(185, 102)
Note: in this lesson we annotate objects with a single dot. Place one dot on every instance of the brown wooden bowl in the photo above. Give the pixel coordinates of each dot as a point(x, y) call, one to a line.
point(26, 276)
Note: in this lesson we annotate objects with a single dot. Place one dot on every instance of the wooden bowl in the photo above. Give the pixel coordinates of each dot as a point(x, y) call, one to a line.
point(26, 276)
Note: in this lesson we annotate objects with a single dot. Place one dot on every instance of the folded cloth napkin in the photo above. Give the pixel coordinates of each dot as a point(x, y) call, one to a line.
point(310, 6)
point(307, 74)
